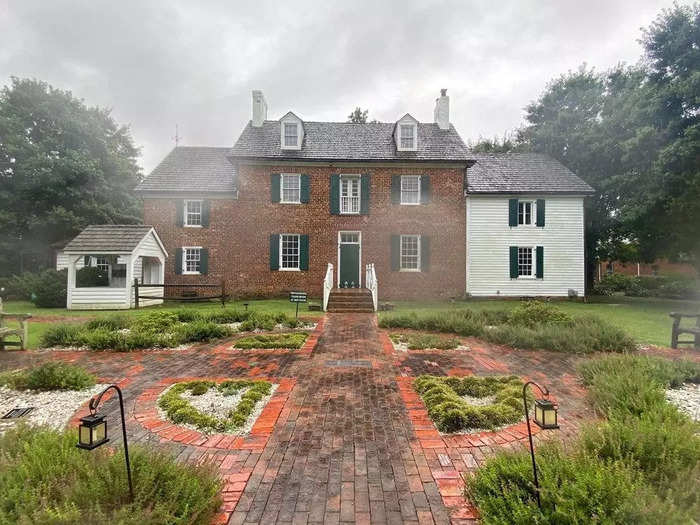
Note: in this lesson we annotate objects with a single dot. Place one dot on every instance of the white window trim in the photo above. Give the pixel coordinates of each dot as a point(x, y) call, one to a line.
point(282, 176)
point(419, 191)
point(186, 215)
point(533, 214)
point(418, 269)
point(415, 136)
point(359, 194)
point(283, 145)
point(279, 264)
point(533, 250)
point(184, 259)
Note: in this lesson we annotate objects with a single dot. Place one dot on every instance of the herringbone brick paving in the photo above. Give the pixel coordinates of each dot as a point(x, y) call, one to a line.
point(341, 444)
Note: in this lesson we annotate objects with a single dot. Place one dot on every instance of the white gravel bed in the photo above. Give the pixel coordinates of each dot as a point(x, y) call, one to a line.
point(279, 327)
point(214, 403)
point(687, 399)
point(53, 408)
point(479, 401)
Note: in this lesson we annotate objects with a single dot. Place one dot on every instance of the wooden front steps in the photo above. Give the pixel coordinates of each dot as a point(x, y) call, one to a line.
point(348, 300)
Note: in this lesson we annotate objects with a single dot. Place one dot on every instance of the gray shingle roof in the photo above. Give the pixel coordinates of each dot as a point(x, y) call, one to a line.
point(522, 173)
point(102, 238)
point(348, 141)
point(192, 168)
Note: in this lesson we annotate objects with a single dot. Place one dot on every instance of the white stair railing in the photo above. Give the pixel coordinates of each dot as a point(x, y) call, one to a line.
point(327, 285)
point(371, 283)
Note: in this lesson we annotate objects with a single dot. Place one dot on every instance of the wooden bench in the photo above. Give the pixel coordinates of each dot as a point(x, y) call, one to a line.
point(22, 333)
point(679, 330)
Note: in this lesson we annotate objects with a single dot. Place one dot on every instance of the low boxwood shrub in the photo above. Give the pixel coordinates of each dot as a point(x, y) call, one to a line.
point(293, 340)
point(267, 321)
point(45, 478)
point(52, 375)
point(451, 413)
point(197, 331)
point(532, 313)
point(179, 410)
point(423, 341)
point(155, 322)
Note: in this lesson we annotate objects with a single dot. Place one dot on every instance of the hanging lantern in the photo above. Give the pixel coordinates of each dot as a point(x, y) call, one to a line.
point(92, 431)
point(546, 414)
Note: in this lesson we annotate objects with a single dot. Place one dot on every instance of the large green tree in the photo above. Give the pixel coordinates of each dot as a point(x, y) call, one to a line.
point(63, 165)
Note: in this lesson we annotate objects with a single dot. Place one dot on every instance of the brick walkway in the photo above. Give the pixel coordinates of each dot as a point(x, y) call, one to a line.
point(345, 438)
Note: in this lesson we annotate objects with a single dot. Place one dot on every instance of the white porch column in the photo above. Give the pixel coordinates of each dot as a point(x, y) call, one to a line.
point(70, 286)
point(129, 280)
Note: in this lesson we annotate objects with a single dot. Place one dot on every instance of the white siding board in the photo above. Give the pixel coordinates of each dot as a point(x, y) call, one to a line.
point(489, 238)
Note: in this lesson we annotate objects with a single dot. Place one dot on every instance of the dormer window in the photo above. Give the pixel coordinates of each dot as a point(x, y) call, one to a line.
point(406, 133)
point(408, 137)
point(291, 132)
point(291, 135)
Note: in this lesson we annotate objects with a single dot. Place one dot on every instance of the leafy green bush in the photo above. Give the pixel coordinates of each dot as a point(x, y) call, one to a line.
point(616, 282)
point(179, 410)
point(668, 286)
point(267, 321)
point(423, 341)
point(450, 412)
point(90, 276)
point(294, 340)
point(155, 322)
point(200, 331)
point(50, 289)
point(574, 488)
point(226, 315)
point(110, 322)
point(62, 335)
point(52, 375)
point(45, 479)
point(532, 313)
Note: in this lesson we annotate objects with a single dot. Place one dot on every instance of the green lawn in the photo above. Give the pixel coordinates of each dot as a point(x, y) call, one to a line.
point(644, 318)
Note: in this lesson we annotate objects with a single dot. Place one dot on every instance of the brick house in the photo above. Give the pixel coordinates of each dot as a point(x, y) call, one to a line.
point(291, 197)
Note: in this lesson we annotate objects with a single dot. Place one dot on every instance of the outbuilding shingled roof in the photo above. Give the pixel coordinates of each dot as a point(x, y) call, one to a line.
point(97, 239)
point(522, 173)
point(192, 168)
point(350, 141)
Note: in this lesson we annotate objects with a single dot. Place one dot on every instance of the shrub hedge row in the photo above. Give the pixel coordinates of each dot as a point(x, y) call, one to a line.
point(289, 340)
point(668, 286)
point(179, 410)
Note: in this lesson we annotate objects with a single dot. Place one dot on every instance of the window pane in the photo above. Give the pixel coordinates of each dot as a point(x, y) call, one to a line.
point(290, 251)
point(349, 195)
point(193, 216)
point(350, 238)
point(290, 134)
point(406, 136)
point(410, 189)
point(192, 259)
point(291, 188)
point(525, 262)
point(410, 252)
point(102, 263)
point(524, 213)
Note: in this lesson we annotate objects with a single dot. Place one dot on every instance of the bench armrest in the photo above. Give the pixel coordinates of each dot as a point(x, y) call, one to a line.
point(18, 317)
point(680, 315)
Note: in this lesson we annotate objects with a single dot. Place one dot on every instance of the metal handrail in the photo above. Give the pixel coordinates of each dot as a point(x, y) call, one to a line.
point(327, 285)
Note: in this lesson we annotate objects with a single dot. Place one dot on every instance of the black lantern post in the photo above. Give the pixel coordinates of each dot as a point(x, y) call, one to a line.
point(546, 418)
point(92, 431)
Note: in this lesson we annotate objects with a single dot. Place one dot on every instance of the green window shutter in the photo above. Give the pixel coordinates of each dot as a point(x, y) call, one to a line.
point(205, 213)
point(395, 253)
point(513, 262)
point(178, 261)
point(540, 213)
point(513, 212)
point(305, 189)
point(424, 253)
point(335, 194)
point(396, 189)
point(274, 252)
point(204, 261)
point(364, 194)
point(303, 252)
point(275, 187)
point(180, 214)
point(424, 189)
point(539, 269)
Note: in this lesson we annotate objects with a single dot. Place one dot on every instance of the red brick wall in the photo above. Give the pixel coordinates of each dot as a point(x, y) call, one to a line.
point(238, 235)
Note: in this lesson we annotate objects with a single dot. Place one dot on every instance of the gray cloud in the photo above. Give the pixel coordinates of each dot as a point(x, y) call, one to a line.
point(163, 62)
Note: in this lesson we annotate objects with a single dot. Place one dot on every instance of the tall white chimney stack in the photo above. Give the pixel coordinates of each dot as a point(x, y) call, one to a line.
point(259, 108)
point(442, 110)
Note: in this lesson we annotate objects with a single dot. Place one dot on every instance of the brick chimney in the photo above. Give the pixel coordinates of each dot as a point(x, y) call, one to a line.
point(442, 110)
point(259, 108)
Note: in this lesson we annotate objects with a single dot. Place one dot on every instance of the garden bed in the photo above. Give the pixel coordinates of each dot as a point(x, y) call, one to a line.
point(471, 404)
point(292, 340)
point(422, 341)
point(230, 406)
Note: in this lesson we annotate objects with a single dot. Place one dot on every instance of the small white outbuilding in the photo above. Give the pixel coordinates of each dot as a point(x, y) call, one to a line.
point(120, 253)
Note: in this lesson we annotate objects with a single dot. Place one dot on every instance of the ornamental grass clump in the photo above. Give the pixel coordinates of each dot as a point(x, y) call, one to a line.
point(52, 375)
point(45, 478)
point(451, 409)
point(423, 341)
point(293, 340)
point(180, 410)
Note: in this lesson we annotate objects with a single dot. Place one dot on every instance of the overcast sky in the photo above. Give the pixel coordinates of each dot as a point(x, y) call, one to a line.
point(194, 63)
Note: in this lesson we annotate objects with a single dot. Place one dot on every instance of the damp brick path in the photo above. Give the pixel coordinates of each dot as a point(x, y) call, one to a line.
point(345, 438)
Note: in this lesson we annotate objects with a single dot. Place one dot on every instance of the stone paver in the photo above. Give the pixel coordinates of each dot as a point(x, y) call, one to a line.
point(345, 438)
